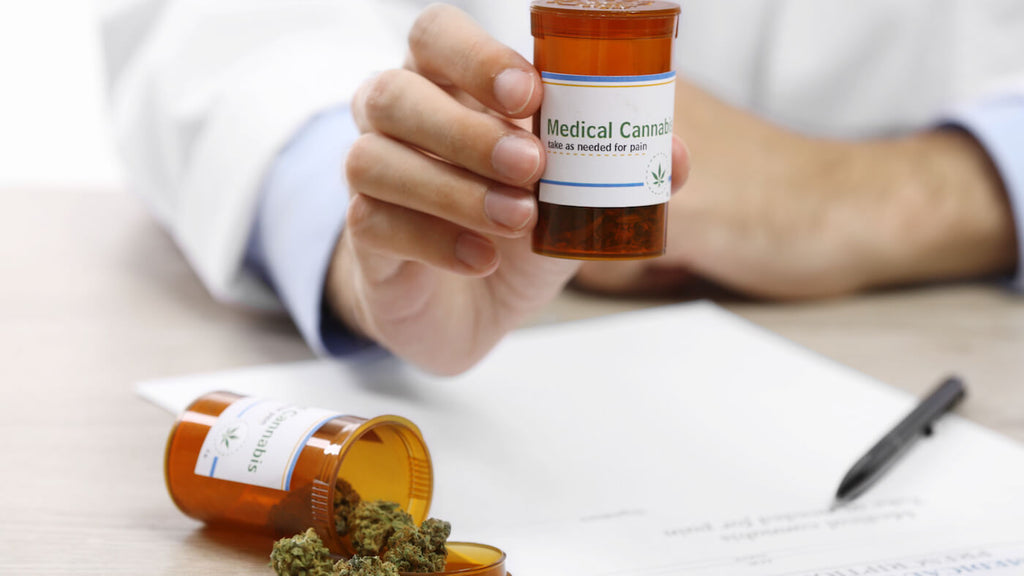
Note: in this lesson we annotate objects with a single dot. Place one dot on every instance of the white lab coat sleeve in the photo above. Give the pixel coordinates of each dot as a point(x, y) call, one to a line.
point(997, 122)
point(205, 92)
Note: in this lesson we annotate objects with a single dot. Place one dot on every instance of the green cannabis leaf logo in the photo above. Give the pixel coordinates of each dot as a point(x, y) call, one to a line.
point(229, 436)
point(659, 176)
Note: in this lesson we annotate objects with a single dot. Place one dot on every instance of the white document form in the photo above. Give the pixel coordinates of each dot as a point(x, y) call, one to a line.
point(671, 441)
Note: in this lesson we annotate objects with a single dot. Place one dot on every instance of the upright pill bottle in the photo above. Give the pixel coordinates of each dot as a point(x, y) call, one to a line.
point(606, 126)
point(272, 467)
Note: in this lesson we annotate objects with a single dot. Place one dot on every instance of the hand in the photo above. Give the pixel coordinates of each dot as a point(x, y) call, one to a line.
point(435, 261)
point(774, 214)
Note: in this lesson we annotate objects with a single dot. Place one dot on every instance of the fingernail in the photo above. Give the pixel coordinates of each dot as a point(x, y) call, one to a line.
point(516, 158)
point(513, 88)
point(474, 251)
point(509, 207)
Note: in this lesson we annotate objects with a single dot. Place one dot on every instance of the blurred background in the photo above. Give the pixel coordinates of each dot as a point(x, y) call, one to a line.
point(53, 116)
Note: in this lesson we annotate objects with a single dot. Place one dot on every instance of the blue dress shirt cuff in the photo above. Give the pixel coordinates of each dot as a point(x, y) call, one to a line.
point(298, 221)
point(998, 125)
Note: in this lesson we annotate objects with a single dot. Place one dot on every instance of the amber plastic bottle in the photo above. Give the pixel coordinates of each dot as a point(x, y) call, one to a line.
point(603, 38)
point(382, 458)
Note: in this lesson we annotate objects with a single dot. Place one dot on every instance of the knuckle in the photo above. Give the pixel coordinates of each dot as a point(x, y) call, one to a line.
point(481, 57)
point(473, 59)
point(456, 139)
point(426, 25)
point(359, 220)
point(492, 56)
point(360, 161)
point(381, 96)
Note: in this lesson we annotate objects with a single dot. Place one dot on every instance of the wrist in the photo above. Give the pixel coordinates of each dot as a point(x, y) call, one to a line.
point(340, 289)
point(940, 208)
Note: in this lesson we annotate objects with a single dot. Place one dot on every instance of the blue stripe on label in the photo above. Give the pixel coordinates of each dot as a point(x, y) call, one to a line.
point(249, 407)
point(301, 445)
point(589, 185)
point(576, 78)
point(214, 466)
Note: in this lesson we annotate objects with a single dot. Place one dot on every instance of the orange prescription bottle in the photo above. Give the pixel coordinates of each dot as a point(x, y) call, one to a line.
point(272, 467)
point(606, 126)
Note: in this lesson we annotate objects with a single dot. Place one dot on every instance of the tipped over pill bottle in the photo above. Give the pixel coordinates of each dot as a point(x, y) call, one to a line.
point(273, 467)
point(606, 126)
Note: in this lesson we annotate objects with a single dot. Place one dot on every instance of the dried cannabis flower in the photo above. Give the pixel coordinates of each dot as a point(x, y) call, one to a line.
point(364, 566)
point(419, 550)
point(384, 536)
point(345, 501)
point(373, 524)
point(301, 555)
point(437, 533)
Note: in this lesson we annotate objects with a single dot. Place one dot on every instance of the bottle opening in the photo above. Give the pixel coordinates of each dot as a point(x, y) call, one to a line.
point(383, 459)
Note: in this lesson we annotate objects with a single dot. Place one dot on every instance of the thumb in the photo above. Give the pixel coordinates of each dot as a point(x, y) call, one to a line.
point(680, 163)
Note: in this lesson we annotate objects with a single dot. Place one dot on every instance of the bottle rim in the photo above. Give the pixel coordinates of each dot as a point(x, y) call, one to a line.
point(416, 447)
point(610, 8)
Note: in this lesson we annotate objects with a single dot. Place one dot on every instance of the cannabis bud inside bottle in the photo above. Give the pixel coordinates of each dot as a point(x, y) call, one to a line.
point(606, 125)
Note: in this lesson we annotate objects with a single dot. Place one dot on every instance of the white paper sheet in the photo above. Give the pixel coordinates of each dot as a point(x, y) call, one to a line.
point(676, 440)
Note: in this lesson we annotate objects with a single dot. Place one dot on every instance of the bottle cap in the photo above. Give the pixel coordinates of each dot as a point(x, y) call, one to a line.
point(472, 559)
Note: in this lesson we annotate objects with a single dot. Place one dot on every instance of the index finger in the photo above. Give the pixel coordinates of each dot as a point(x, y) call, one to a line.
point(449, 48)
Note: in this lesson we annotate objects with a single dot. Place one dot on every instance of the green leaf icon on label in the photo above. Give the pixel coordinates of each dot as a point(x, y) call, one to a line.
point(228, 436)
point(659, 176)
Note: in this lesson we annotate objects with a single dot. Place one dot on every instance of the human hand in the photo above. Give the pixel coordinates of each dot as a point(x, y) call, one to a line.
point(774, 214)
point(435, 262)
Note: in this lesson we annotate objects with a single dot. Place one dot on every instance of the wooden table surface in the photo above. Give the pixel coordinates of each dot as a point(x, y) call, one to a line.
point(95, 297)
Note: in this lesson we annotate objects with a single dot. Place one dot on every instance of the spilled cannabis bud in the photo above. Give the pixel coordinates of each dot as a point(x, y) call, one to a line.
point(365, 566)
point(345, 501)
point(419, 550)
point(374, 522)
point(301, 555)
point(384, 536)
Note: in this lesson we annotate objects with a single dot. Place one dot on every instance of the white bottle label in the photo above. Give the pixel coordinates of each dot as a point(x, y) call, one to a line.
point(257, 441)
point(608, 139)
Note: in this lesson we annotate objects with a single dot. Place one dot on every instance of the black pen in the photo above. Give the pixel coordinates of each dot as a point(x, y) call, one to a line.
point(884, 454)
